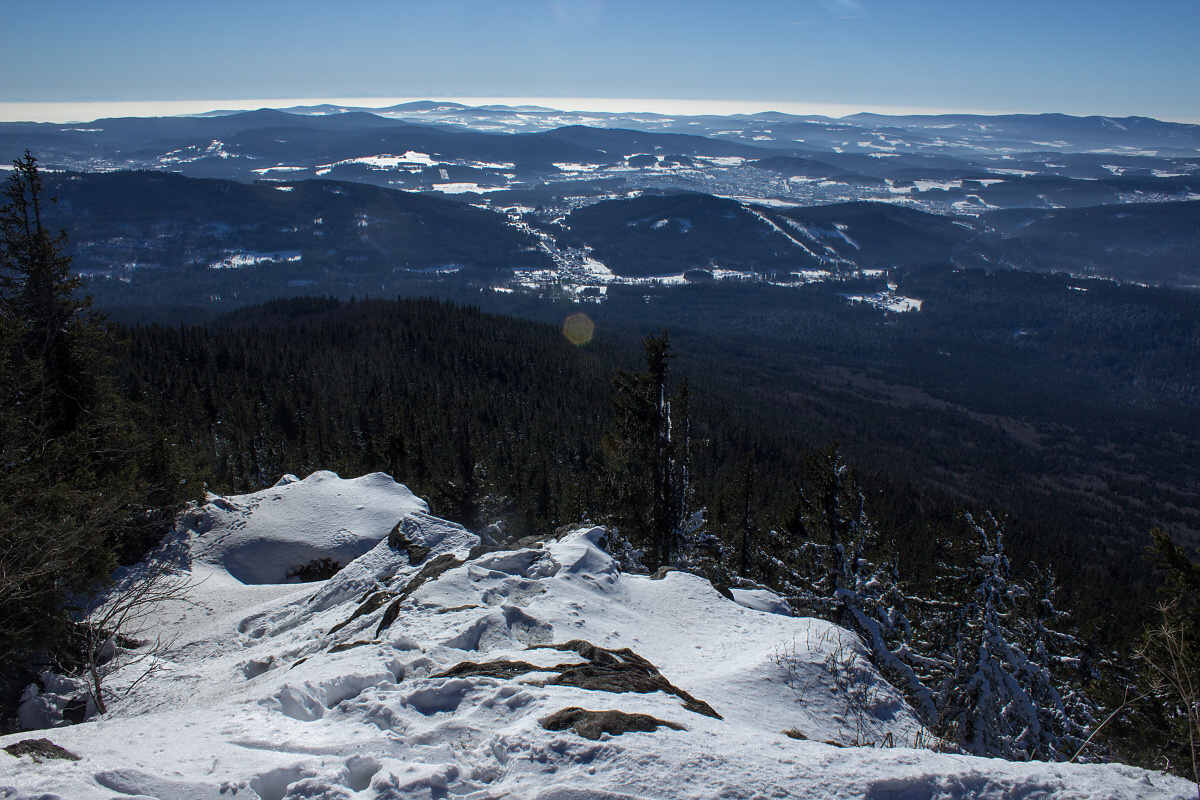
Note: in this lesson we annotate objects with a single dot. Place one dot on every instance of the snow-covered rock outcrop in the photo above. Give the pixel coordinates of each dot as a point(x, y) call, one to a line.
point(259, 537)
point(434, 666)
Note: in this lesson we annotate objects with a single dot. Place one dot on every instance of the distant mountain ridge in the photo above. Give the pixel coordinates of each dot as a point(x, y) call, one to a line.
point(534, 156)
point(154, 237)
point(560, 181)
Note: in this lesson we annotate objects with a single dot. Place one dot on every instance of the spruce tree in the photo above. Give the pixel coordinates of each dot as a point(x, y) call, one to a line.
point(41, 292)
point(52, 545)
point(1163, 730)
point(830, 560)
point(84, 476)
point(981, 656)
point(649, 456)
point(1004, 683)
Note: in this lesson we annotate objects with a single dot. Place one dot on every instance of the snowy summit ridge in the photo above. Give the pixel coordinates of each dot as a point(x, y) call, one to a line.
point(434, 665)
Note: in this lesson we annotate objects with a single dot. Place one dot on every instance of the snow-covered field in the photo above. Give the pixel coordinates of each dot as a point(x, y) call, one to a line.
point(339, 689)
point(240, 259)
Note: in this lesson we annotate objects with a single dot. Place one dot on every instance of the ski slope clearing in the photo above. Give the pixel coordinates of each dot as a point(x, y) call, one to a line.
point(435, 665)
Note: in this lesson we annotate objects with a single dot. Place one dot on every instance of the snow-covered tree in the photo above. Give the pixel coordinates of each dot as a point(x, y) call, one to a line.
point(1000, 692)
point(981, 656)
point(831, 561)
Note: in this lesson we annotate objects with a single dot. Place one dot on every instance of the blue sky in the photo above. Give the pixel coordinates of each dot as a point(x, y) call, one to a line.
point(1113, 57)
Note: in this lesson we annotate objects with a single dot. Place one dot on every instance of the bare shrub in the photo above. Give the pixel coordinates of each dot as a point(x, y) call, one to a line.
point(115, 628)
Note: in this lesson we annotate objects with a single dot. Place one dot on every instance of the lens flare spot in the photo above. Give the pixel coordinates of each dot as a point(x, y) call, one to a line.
point(579, 329)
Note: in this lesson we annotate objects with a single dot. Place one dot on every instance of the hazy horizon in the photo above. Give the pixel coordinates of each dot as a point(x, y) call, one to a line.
point(1112, 58)
point(81, 111)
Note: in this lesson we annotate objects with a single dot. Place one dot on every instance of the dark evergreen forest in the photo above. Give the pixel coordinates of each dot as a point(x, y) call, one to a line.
point(497, 419)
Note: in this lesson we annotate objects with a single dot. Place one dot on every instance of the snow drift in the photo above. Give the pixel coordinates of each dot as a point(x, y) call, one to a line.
point(435, 666)
point(259, 537)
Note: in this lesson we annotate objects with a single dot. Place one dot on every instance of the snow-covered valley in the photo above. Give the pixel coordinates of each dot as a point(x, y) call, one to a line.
point(438, 664)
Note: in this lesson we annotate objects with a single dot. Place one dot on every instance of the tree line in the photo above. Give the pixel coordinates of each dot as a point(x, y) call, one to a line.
point(87, 477)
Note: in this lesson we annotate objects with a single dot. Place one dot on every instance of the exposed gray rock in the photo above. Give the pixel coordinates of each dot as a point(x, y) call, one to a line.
point(398, 539)
point(590, 724)
point(492, 669)
point(616, 671)
point(724, 590)
point(39, 749)
point(430, 572)
point(373, 601)
point(620, 671)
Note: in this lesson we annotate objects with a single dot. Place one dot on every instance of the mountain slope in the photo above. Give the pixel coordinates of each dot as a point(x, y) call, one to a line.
point(432, 666)
point(154, 238)
point(667, 235)
point(1151, 243)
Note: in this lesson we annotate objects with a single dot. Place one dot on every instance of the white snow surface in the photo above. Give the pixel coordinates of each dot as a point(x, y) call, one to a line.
point(259, 697)
point(257, 537)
